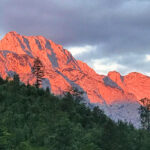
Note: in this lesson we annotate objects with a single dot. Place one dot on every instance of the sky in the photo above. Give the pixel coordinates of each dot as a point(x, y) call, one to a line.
point(106, 34)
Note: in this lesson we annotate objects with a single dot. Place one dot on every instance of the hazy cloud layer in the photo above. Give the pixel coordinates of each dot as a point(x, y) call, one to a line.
point(117, 31)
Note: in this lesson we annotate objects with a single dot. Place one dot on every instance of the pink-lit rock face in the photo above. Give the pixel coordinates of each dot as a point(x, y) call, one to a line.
point(62, 71)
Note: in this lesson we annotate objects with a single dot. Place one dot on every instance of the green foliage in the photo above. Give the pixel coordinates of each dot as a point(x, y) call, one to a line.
point(34, 119)
point(1, 81)
point(16, 79)
point(4, 139)
point(145, 113)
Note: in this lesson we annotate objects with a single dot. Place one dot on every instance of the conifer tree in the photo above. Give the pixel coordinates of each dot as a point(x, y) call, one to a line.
point(77, 93)
point(144, 111)
point(38, 71)
point(16, 79)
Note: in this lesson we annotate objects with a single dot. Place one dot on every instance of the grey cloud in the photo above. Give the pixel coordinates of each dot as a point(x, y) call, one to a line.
point(70, 22)
point(135, 63)
point(115, 27)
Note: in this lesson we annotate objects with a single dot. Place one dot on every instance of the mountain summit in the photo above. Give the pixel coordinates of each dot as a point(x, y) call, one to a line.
point(118, 95)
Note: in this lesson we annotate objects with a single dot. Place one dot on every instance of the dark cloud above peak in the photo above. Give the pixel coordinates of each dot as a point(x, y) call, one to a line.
point(115, 27)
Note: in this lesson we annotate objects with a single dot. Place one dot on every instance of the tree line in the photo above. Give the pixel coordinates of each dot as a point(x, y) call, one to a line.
point(144, 110)
point(34, 119)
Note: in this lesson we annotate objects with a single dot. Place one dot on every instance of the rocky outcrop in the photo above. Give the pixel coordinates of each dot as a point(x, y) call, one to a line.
point(63, 72)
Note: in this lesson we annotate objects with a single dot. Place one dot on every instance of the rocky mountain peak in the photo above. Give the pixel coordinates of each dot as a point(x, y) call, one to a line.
point(115, 76)
point(63, 73)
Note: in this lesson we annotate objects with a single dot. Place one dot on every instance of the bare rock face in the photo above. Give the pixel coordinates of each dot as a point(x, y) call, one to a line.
point(113, 93)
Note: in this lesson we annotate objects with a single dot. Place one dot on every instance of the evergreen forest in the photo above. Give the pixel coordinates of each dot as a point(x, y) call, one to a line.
point(34, 119)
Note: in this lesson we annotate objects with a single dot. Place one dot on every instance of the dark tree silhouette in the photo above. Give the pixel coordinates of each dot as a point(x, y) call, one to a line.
point(75, 93)
point(144, 111)
point(38, 71)
point(16, 79)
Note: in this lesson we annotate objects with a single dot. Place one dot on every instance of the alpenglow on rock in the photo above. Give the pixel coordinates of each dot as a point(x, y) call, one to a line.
point(118, 95)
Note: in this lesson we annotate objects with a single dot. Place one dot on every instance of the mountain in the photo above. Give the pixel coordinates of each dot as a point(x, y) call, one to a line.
point(118, 95)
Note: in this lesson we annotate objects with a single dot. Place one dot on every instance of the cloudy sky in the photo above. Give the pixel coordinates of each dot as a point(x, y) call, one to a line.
point(106, 34)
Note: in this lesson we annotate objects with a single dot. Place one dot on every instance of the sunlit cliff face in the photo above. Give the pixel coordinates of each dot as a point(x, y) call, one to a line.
point(63, 72)
point(118, 95)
